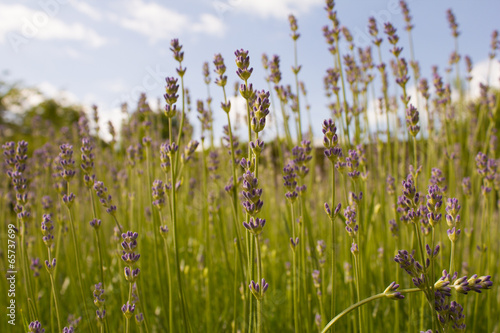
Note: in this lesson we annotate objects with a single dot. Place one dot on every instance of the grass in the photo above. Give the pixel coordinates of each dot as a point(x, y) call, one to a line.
point(202, 269)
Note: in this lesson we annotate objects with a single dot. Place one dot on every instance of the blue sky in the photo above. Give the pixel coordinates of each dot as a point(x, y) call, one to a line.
point(107, 52)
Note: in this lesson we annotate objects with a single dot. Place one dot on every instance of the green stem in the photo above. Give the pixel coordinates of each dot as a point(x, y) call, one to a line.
point(235, 290)
point(55, 296)
point(250, 274)
point(482, 245)
point(334, 257)
point(183, 116)
point(27, 284)
point(415, 156)
point(339, 64)
point(259, 278)
point(432, 278)
point(117, 224)
point(294, 275)
point(452, 258)
point(360, 303)
point(127, 319)
point(235, 188)
point(169, 283)
point(356, 264)
point(78, 270)
point(417, 231)
point(155, 226)
point(176, 245)
point(386, 104)
point(299, 130)
point(206, 225)
point(249, 123)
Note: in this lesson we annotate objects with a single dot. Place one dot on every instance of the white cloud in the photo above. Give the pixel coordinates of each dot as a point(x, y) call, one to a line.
point(31, 97)
point(239, 119)
point(209, 24)
point(64, 97)
point(107, 112)
point(76, 31)
point(279, 9)
point(115, 86)
point(72, 53)
point(238, 113)
point(20, 24)
point(480, 75)
point(158, 22)
point(378, 120)
point(28, 97)
point(87, 9)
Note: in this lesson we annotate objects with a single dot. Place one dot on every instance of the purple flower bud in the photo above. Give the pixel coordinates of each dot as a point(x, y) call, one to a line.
point(392, 293)
point(130, 258)
point(257, 147)
point(128, 310)
point(327, 209)
point(354, 249)
point(264, 286)
point(95, 223)
point(69, 199)
point(258, 291)
point(139, 318)
point(35, 327)
point(98, 294)
point(50, 266)
point(164, 231)
point(255, 226)
point(462, 285)
point(100, 315)
point(131, 275)
point(189, 151)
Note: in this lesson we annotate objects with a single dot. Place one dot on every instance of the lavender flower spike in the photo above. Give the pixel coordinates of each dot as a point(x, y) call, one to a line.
point(294, 243)
point(35, 327)
point(255, 226)
point(243, 62)
point(128, 310)
point(98, 294)
point(50, 266)
point(131, 275)
point(66, 161)
point(258, 291)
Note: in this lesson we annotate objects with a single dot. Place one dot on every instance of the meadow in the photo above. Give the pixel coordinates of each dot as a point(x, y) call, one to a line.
point(369, 228)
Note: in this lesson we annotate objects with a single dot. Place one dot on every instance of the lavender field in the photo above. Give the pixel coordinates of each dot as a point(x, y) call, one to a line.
point(385, 221)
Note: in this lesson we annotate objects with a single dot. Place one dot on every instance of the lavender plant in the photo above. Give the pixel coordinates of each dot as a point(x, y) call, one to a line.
point(416, 192)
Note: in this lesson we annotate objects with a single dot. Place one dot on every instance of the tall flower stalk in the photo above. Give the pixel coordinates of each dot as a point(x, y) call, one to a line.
point(296, 69)
point(176, 49)
point(374, 32)
point(50, 263)
point(232, 188)
point(15, 160)
point(290, 183)
point(171, 151)
point(391, 292)
point(130, 258)
point(98, 294)
point(67, 173)
point(333, 37)
point(333, 152)
point(164, 232)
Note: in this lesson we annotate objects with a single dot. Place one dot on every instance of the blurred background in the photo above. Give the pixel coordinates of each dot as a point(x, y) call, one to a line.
point(60, 57)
